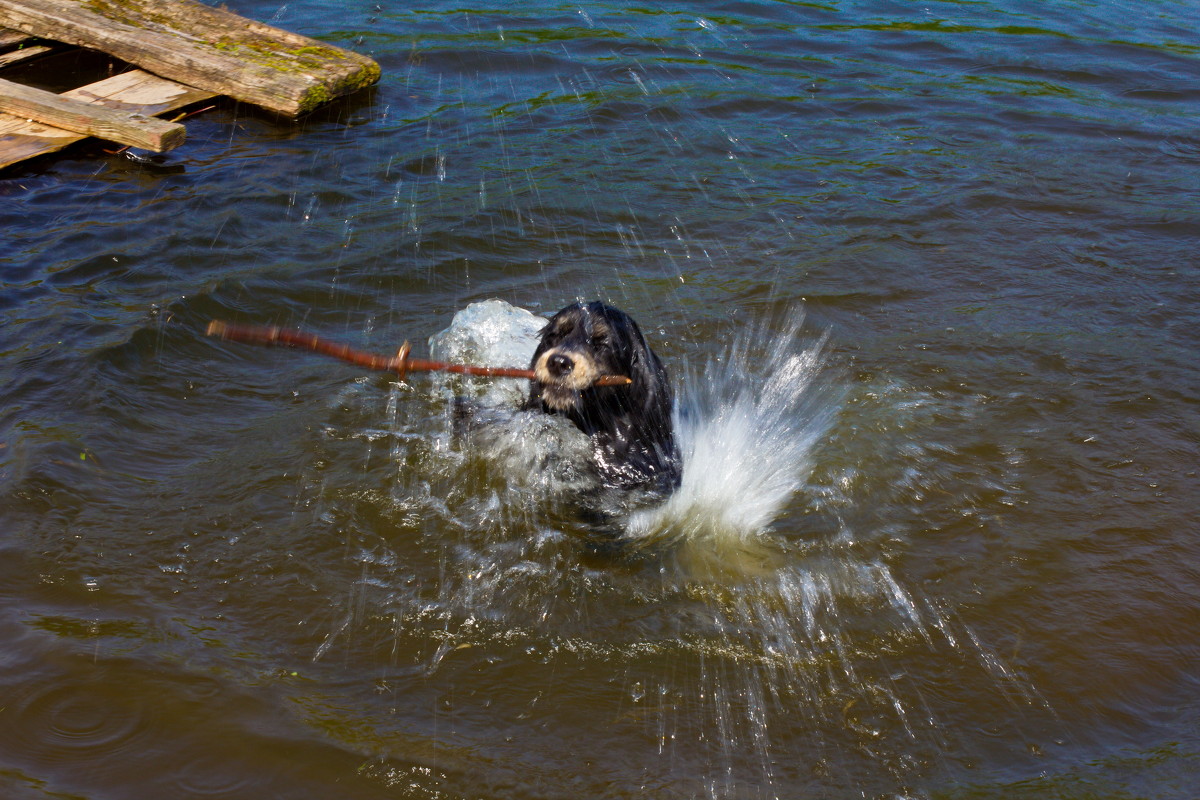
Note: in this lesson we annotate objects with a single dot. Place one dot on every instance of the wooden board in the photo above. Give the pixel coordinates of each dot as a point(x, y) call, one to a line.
point(135, 91)
point(93, 119)
point(8, 37)
point(200, 46)
point(15, 56)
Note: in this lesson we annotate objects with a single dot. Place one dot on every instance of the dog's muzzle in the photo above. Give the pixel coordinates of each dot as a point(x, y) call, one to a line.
point(563, 375)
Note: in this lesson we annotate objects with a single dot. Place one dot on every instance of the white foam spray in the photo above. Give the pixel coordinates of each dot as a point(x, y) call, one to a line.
point(747, 423)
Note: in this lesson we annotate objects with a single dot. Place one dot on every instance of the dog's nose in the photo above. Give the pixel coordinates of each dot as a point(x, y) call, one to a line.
point(559, 365)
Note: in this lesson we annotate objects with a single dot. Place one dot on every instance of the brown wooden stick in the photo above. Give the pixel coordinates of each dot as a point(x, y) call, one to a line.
point(401, 363)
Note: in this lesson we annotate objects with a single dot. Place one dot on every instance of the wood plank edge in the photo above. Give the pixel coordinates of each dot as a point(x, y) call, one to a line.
point(292, 80)
point(24, 54)
point(192, 96)
point(93, 119)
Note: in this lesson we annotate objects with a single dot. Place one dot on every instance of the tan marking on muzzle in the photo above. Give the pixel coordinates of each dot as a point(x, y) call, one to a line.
point(581, 376)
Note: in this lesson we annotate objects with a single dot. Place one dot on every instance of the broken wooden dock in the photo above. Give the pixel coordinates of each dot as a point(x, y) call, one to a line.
point(187, 53)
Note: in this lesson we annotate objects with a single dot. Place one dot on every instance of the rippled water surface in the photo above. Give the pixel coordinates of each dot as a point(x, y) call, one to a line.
point(925, 278)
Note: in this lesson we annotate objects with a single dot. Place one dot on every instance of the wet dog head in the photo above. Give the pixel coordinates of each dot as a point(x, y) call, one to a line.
point(580, 344)
point(631, 424)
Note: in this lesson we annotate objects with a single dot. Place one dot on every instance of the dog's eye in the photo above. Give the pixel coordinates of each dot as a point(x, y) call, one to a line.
point(599, 339)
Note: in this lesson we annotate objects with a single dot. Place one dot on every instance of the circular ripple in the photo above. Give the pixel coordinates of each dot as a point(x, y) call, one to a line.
point(65, 723)
point(216, 776)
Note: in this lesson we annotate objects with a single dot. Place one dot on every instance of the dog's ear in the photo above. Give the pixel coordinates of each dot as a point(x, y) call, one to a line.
point(544, 343)
point(651, 385)
point(638, 352)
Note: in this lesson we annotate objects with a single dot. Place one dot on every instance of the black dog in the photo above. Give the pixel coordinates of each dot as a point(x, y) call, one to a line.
point(632, 435)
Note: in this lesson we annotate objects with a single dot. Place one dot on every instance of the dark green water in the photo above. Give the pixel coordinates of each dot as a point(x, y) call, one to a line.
point(925, 275)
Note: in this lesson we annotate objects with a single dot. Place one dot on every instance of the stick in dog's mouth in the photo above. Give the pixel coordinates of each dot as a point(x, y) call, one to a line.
point(564, 373)
point(401, 364)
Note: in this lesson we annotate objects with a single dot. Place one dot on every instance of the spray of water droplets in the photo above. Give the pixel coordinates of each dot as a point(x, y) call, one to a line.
point(775, 632)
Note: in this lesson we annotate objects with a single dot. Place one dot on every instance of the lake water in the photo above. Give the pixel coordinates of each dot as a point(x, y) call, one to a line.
point(926, 279)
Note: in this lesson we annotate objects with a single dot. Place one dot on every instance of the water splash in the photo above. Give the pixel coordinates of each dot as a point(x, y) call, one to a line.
point(747, 424)
point(731, 631)
point(492, 333)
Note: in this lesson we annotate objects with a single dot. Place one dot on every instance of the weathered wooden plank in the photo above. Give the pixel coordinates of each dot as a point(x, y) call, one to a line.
point(8, 37)
point(134, 129)
point(141, 92)
point(135, 91)
point(201, 46)
point(25, 53)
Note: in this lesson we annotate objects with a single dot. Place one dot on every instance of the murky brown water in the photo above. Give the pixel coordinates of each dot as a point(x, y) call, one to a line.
point(924, 275)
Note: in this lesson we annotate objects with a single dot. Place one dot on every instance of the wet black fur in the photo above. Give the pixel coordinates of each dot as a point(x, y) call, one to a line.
point(630, 426)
